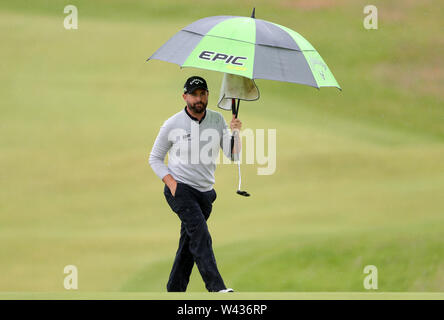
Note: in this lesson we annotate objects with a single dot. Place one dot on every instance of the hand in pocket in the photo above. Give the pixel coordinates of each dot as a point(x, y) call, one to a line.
point(174, 189)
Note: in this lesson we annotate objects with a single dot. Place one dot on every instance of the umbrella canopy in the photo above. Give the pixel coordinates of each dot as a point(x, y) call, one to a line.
point(248, 47)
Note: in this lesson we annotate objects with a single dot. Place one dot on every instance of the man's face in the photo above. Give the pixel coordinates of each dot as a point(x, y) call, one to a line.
point(197, 101)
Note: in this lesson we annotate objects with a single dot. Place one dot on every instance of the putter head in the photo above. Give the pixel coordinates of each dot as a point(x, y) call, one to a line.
point(243, 193)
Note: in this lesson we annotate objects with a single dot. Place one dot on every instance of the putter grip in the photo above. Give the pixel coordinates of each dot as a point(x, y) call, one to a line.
point(232, 147)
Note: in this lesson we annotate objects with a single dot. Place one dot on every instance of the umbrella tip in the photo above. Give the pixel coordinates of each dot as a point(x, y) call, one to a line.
point(252, 14)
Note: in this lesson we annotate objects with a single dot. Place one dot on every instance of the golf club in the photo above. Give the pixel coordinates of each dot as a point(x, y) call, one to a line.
point(235, 111)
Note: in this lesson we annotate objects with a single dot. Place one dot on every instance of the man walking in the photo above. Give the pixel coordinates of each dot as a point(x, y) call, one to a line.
point(189, 180)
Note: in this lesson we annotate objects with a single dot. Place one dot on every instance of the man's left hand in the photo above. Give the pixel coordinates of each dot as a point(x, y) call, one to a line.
point(235, 124)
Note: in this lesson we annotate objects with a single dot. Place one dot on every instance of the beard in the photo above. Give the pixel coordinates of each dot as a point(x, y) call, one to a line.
point(198, 107)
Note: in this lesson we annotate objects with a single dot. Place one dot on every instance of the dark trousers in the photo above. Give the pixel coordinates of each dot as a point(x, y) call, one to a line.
point(193, 209)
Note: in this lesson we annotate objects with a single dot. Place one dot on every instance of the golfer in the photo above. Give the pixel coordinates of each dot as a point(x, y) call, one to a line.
point(189, 184)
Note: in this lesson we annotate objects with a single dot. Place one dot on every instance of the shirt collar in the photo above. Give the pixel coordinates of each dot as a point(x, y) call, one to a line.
point(194, 118)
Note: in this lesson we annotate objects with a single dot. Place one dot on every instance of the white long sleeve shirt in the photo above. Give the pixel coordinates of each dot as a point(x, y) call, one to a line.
point(192, 147)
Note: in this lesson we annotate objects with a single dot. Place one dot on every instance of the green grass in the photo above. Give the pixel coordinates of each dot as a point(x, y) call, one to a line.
point(75, 295)
point(359, 178)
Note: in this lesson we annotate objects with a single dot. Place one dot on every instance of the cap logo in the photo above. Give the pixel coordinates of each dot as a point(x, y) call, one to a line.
point(196, 81)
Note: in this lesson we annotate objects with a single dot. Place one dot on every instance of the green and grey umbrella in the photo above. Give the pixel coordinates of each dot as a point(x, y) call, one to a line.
point(248, 47)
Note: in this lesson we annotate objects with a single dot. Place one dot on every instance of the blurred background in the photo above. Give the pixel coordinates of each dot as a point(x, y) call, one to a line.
point(359, 178)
